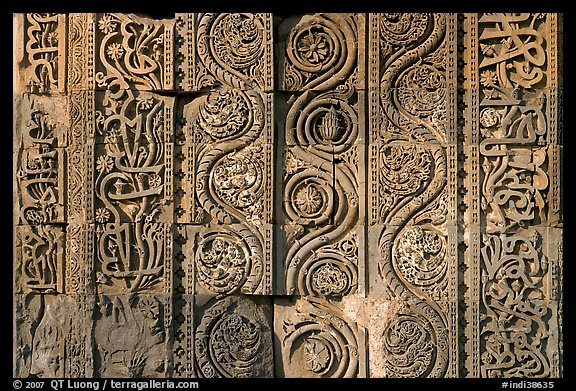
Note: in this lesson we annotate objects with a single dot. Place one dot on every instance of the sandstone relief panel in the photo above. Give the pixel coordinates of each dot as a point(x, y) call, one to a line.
point(321, 195)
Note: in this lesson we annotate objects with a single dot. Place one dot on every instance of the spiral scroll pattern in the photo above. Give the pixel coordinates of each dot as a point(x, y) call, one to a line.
point(411, 343)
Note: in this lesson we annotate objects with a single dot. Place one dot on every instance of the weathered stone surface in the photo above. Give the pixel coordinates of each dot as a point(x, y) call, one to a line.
point(306, 195)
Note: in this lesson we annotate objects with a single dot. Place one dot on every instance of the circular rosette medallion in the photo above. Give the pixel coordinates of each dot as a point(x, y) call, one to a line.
point(409, 347)
point(223, 262)
point(329, 274)
point(225, 114)
point(420, 256)
point(309, 198)
point(316, 46)
point(233, 339)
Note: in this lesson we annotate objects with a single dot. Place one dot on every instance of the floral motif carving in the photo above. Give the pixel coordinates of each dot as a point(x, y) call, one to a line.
point(420, 256)
point(319, 45)
point(409, 347)
point(225, 114)
point(132, 187)
point(406, 169)
point(402, 29)
point(235, 48)
point(238, 180)
point(398, 194)
point(317, 355)
point(223, 262)
point(409, 175)
point(134, 53)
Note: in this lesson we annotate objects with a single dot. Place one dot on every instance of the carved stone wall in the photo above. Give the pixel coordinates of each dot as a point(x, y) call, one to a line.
point(306, 195)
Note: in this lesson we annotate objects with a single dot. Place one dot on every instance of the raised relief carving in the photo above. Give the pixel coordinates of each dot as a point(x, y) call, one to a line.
point(514, 124)
point(514, 331)
point(134, 52)
point(239, 43)
point(512, 118)
point(317, 340)
point(133, 189)
point(320, 50)
point(44, 47)
point(389, 184)
point(320, 194)
point(229, 131)
point(233, 48)
point(233, 339)
point(42, 258)
point(409, 172)
point(406, 168)
point(130, 336)
point(228, 259)
point(40, 172)
point(414, 346)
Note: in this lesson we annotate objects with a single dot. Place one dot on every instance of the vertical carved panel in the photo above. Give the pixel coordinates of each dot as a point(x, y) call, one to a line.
point(80, 52)
point(132, 186)
point(322, 208)
point(228, 151)
point(512, 102)
point(412, 185)
point(40, 136)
